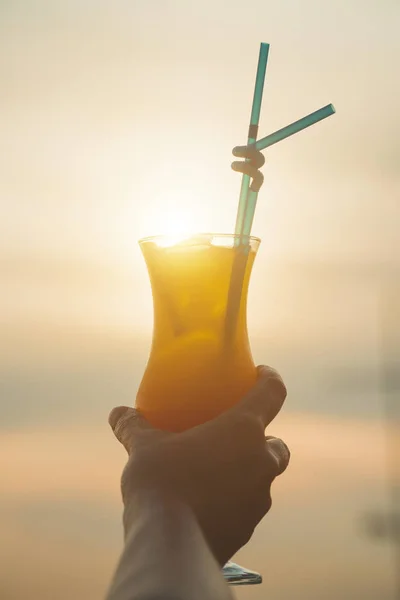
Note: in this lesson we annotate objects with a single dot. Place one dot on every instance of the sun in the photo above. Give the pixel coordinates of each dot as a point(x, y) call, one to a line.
point(178, 225)
point(172, 214)
point(179, 208)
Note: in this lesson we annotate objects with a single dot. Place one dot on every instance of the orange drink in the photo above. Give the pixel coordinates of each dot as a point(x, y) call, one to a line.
point(193, 373)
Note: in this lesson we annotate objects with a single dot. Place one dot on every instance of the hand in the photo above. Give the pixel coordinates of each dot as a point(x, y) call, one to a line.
point(222, 470)
point(255, 160)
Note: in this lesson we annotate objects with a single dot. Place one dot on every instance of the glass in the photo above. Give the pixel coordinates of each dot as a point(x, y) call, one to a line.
point(192, 375)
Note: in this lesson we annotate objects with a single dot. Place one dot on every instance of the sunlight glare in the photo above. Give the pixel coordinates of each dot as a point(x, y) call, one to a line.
point(175, 214)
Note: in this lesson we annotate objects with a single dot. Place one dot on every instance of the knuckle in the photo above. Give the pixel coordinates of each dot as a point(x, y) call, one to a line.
point(247, 428)
point(261, 504)
point(268, 502)
point(264, 501)
point(240, 435)
point(246, 536)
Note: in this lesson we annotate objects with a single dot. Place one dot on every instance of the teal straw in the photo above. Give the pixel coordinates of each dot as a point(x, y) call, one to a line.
point(295, 127)
point(248, 198)
point(246, 208)
point(245, 216)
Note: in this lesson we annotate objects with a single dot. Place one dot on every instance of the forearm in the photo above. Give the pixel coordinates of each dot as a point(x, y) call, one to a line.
point(165, 556)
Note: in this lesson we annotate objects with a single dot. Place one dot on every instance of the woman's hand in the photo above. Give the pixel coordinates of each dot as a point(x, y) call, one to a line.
point(254, 161)
point(221, 470)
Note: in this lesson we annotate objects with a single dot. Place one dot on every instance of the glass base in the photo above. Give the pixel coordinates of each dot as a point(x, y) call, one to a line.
point(236, 575)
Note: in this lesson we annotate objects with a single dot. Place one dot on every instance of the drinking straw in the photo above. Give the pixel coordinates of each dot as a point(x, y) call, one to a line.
point(295, 127)
point(245, 217)
point(246, 199)
point(247, 202)
point(247, 206)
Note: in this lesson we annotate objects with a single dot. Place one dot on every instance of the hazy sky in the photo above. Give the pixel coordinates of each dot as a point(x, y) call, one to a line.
point(118, 119)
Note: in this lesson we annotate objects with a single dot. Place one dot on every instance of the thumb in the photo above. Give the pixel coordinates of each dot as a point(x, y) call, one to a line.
point(126, 423)
point(266, 398)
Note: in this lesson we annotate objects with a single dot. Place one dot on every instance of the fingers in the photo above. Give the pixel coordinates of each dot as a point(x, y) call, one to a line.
point(277, 456)
point(242, 427)
point(254, 161)
point(259, 501)
point(269, 462)
point(126, 422)
point(266, 398)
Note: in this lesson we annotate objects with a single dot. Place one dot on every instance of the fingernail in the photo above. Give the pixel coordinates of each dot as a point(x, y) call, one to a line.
point(280, 451)
point(116, 414)
point(278, 445)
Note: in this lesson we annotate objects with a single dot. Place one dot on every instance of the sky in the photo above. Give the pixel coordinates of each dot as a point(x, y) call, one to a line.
point(118, 120)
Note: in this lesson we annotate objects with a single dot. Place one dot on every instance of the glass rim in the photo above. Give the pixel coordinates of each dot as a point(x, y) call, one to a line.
point(182, 237)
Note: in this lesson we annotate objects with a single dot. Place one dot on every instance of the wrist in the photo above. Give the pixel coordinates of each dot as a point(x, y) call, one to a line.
point(154, 503)
point(165, 553)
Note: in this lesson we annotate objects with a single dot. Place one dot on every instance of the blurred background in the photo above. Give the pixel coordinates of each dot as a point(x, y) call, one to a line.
point(118, 119)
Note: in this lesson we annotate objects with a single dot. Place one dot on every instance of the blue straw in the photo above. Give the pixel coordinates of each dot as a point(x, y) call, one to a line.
point(295, 127)
point(246, 209)
point(248, 198)
point(250, 207)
